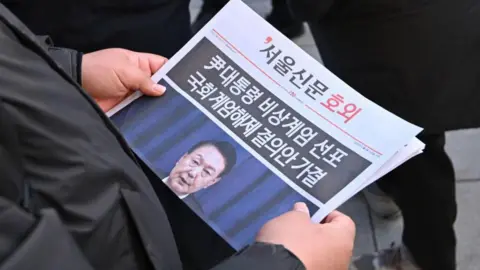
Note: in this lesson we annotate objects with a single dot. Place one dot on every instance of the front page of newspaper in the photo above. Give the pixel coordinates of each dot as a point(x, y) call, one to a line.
point(243, 89)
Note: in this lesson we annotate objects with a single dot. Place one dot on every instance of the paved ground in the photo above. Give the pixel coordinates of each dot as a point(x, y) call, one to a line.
point(463, 146)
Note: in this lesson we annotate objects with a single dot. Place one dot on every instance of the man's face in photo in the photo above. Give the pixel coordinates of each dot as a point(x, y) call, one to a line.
point(196, 170)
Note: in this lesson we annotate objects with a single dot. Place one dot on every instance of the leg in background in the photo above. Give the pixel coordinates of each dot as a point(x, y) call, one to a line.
point(424, 190)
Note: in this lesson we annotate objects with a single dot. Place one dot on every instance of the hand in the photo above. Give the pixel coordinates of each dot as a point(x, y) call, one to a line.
point(318, 246)
point(111, 75)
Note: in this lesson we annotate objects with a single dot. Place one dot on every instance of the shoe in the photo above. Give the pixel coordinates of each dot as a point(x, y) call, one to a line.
point(395, 258)
point(381, 204)
point(286, 24)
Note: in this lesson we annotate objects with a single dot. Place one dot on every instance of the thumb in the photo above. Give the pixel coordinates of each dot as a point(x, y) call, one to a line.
point(135, 79)
point(301, 207)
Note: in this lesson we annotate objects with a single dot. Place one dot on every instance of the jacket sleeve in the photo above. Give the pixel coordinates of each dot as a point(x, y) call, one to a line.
point(70, 60)
point(27, 240)
point(260, 256)
point(36, 242)
point(310, 10)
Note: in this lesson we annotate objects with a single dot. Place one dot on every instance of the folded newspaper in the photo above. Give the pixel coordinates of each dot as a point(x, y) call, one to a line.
point(250, 124)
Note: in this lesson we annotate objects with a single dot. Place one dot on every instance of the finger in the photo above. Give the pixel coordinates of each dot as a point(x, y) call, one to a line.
point(334, 216)
point(339, 219)
point(301, 207)
point(134, 79)
point(155, 62)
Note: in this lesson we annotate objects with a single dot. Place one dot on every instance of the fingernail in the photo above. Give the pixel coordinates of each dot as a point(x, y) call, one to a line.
point(301, 207)
point(159, 88)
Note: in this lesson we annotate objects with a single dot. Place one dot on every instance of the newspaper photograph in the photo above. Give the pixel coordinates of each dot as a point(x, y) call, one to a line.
point(251, 124)
point(210, 171)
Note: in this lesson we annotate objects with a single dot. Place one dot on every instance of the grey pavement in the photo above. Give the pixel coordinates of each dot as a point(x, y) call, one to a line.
point(463, 146)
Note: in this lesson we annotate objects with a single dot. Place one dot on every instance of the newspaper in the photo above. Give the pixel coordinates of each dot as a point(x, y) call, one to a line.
point(250, 124)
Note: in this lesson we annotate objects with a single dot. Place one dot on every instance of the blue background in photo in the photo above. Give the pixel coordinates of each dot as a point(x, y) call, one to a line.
point(161, 130)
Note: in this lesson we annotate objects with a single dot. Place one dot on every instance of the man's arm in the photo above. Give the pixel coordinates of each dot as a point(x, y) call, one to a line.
point(295, 242)
point(36, 242)
point(70, 60)
point(29, 241)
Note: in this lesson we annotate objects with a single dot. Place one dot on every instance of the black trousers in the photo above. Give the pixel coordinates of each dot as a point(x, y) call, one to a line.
point(424, 189)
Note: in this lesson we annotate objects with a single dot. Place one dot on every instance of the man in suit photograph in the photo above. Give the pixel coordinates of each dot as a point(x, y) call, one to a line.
point(202, 166)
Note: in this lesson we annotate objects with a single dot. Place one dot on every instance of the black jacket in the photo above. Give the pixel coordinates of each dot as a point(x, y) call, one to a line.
point(155, 26)
point(418, 59)
point(72, 195)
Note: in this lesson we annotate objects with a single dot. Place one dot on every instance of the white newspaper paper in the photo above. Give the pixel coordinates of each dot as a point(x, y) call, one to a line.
point(336, 133)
